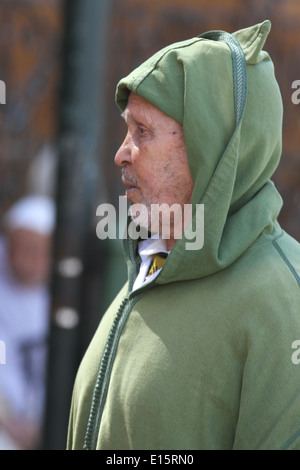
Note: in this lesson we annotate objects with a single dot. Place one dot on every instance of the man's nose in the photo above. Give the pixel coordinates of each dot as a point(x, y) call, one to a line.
point(123, 155)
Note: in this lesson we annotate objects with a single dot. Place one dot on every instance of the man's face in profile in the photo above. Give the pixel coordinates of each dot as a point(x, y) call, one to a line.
point(153, 158)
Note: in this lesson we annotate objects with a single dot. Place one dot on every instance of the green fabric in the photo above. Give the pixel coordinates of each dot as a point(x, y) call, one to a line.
point(202, 357)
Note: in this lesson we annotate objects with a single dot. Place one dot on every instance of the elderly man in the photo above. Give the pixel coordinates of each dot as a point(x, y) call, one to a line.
point(197, 353)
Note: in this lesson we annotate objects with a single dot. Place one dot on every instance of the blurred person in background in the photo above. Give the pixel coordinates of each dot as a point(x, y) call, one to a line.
point(25, 260)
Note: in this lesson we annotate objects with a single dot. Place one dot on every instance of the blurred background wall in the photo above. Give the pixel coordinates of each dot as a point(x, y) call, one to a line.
point(30, 39)
point(60, 61)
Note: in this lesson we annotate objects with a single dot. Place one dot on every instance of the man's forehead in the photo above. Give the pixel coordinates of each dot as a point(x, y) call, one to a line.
point(138, 109)
point(137, 103)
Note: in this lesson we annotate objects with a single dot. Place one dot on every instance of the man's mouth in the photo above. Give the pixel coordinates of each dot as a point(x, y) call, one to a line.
point(130, 183)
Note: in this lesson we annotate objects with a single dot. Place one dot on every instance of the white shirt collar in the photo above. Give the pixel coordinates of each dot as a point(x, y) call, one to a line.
point(148, 248)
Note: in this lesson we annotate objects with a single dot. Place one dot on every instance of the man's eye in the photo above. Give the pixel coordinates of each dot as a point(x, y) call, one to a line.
point(142, 130)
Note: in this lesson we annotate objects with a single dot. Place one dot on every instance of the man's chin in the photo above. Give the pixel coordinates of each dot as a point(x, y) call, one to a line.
point(133, 195)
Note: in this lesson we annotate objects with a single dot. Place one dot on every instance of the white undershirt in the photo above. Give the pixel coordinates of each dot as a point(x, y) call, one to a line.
point(148, 248)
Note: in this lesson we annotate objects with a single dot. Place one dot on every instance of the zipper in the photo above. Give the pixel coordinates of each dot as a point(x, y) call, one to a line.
point(239, 70)
point(106, 363)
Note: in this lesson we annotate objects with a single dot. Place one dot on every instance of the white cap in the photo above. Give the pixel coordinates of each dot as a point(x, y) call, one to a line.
point(36, 213)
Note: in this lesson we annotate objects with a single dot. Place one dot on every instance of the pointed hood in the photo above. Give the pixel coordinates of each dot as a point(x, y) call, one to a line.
point(223, 90)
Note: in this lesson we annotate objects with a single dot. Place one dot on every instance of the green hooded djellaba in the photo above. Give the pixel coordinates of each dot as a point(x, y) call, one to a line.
point(205, 356)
